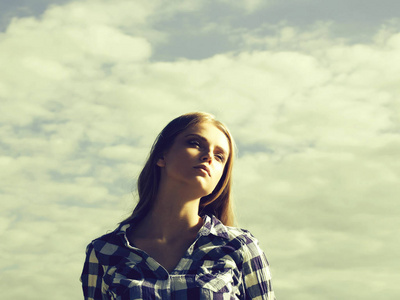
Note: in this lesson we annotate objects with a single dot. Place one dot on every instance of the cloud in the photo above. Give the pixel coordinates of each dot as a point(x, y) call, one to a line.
point(316, 119)
point(249, 6)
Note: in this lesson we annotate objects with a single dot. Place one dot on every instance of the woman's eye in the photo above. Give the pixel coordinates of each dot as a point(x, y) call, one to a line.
point(194, 143)
point(220, 157)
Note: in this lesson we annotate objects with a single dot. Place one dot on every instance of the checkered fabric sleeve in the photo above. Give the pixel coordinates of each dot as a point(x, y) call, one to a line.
point(92, 274)
point(256, 273)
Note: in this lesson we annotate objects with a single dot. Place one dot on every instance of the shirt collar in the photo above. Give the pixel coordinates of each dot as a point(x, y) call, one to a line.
point(211, 226)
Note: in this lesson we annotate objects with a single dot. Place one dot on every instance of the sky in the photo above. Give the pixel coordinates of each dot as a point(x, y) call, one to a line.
point(309, 89)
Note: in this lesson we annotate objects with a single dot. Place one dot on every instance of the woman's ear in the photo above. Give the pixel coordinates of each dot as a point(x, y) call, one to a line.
point(161, 162)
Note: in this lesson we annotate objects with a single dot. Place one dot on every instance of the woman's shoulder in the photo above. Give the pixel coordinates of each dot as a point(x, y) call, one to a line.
point(242, 235)
point(107, 243)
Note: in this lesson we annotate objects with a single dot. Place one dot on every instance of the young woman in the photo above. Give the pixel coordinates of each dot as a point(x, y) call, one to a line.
point(179, 242)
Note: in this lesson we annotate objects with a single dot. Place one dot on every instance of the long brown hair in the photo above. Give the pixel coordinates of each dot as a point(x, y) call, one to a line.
point(218, 203)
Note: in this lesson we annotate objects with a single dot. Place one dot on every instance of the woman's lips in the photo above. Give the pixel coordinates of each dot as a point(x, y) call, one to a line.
point(204, 168)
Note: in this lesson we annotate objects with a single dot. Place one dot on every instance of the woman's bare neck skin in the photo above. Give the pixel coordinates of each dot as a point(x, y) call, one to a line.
point(173, 216)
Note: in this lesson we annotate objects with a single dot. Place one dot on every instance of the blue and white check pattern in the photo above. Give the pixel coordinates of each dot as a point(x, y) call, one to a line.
point(222, 263)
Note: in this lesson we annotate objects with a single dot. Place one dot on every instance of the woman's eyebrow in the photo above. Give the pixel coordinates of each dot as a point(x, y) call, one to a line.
point(198, 136)
point(205, 140)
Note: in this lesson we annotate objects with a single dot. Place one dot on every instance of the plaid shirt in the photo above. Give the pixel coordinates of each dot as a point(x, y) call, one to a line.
point(222, 263)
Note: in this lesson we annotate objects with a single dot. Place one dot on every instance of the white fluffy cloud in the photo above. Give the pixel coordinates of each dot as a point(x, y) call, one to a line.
point(316, 120)
point(249, 6)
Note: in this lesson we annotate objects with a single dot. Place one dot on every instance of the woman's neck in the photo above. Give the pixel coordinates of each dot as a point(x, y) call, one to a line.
point(172, 216)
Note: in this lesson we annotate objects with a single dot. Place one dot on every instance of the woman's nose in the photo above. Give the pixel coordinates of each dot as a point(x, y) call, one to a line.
point(206, 157)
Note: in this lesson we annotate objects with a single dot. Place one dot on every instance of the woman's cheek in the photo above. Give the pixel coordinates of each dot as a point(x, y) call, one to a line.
point(220, 172)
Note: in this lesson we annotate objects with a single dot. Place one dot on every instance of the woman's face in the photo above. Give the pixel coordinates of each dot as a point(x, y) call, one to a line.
point(196, 159)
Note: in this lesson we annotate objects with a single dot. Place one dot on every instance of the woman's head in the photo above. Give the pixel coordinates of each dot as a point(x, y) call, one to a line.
point(219, 201)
